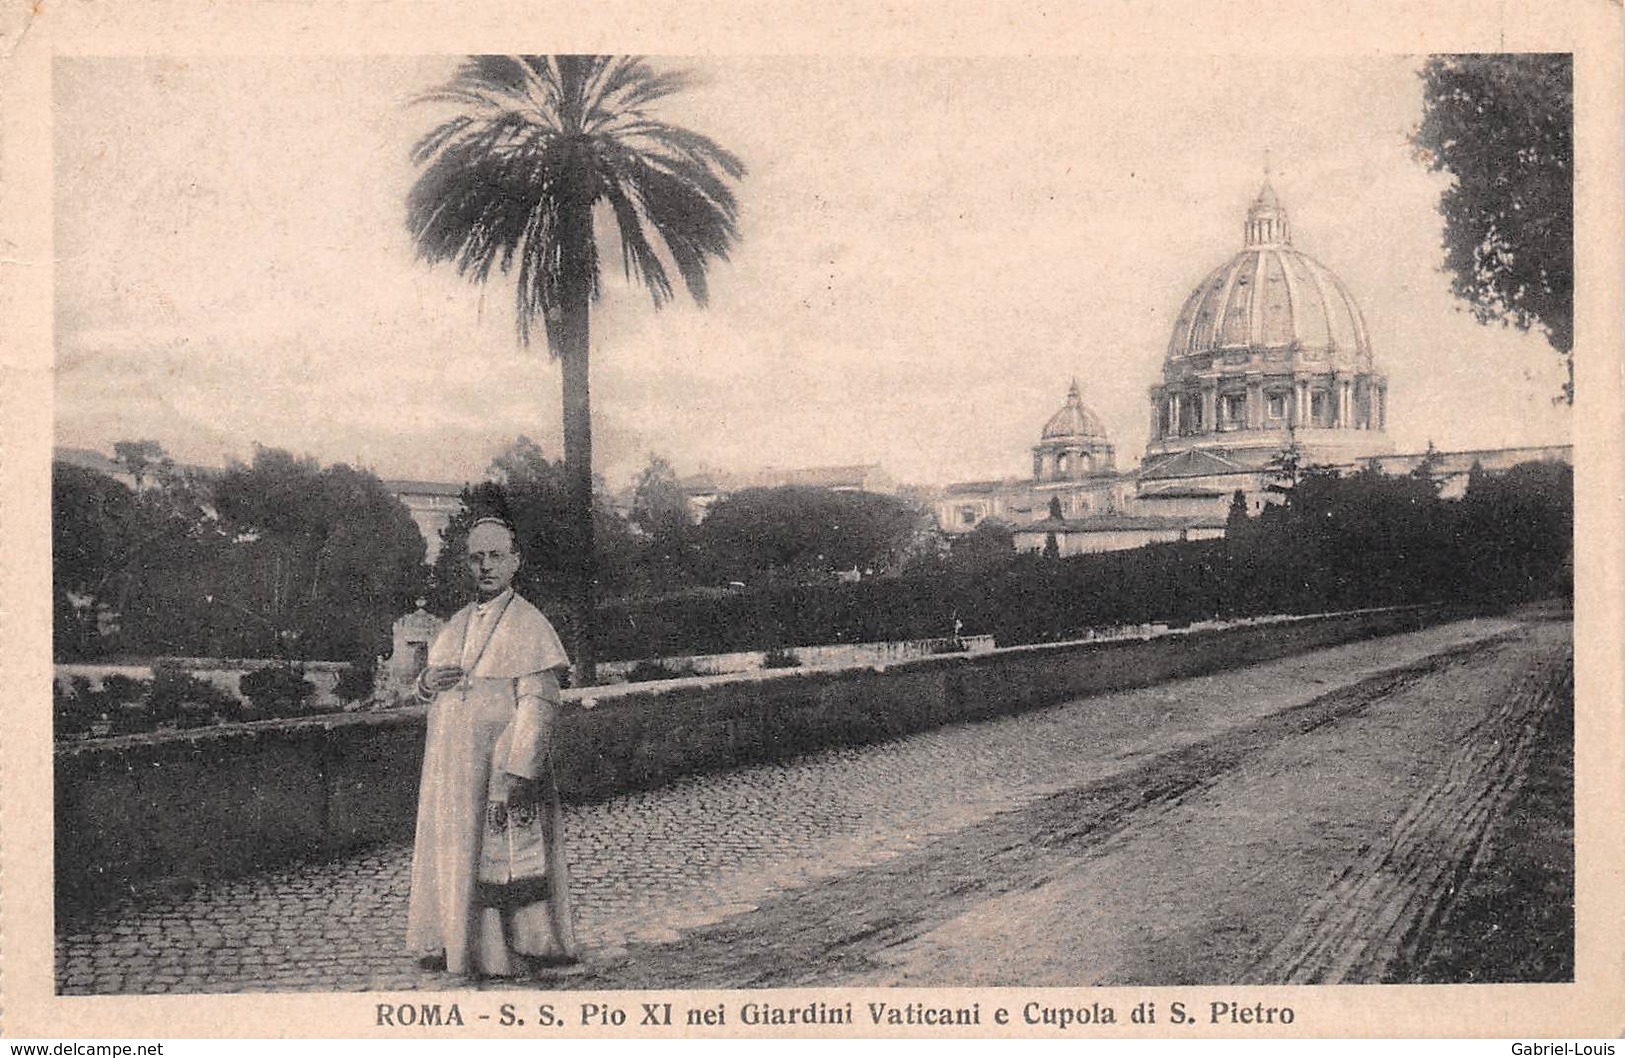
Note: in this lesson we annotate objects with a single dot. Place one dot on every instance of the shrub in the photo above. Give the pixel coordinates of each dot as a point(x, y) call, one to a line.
point(356, 682)
point(178, 695)
point(118, 690)
point(780, 658)
point(648, 671)
point(73, 708)
point(276, 690)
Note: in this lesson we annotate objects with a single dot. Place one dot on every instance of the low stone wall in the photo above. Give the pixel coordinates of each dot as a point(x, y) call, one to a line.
point(836, 655)
point(222, 800)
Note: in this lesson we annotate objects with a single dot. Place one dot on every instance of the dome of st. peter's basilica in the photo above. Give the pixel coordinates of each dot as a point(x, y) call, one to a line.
point(1271, 346)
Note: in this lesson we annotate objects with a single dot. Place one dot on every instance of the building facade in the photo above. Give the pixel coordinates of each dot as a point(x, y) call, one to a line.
point(431, 505)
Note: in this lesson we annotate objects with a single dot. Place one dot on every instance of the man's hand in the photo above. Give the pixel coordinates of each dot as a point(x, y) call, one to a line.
point(437, 678)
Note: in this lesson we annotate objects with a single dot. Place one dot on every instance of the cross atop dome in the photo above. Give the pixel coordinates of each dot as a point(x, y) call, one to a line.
point(1266, 219)
point(1074, 419)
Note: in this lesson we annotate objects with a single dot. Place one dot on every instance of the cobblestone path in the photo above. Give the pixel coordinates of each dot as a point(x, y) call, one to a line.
point(648, 866)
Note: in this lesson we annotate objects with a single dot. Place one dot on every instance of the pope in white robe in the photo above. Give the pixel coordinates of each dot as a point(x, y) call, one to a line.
point(494, 707)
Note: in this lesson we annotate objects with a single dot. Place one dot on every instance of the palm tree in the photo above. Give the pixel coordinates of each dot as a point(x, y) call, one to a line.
point(512, 180)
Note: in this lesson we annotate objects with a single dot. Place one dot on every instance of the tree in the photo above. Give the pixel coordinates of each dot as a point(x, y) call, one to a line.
point(991, 543)
point(121, 560)
point(658, 501)
point(1286, 470)
point(141, 459)
point(1503, 125)
point(95, 526)
point(322, 560)
point(804, 533)
point(514, 177)
point(1236, 519)
point(1426, 471)
point(530, 492)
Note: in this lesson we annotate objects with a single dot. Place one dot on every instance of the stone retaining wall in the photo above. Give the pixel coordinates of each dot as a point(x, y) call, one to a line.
point(837, 655)
point(218, 801)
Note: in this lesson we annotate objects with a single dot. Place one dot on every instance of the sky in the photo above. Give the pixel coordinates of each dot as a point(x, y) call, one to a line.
point(931, 249)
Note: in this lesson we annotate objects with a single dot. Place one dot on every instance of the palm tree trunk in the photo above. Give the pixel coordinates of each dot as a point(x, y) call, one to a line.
point(577, 407)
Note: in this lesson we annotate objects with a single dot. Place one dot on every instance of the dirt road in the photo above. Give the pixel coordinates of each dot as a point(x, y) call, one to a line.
point(1317, 840)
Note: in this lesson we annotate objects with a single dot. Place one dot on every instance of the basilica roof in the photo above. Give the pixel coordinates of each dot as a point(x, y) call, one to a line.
point(1074, 420)
point(1269, 295)
point(1198, 462)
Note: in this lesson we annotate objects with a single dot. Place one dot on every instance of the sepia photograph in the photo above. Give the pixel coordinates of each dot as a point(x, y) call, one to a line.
point(883, 542)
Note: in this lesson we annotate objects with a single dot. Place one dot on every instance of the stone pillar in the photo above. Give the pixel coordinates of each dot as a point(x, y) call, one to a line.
point(1382, 405)
point(1345, 404)
point(1255, 403)
point(1174, 424)
point(1210, 407)
point(1156, 414)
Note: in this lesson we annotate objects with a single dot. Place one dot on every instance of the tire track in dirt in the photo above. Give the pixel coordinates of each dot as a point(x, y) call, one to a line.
point(1379, 911)
point(840, 929)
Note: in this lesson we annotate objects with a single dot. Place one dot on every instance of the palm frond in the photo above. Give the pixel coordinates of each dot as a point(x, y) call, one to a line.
point(498, 75)
point(693, 227)
point(437, 138)
point(638, 257)
point(661, 138)
point(507, 182)
point(622, 87)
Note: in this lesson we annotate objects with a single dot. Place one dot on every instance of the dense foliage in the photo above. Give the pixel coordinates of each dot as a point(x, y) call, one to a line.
point(531, 493)
point(1349, 542)
point(276, 689)
point(175, 697)
point(755, 537)
point(326, 555)
point(801, 534)
point(1503, 126)
point(277, 558)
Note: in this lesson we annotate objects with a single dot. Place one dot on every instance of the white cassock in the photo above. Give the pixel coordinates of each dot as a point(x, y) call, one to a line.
point(499, 721)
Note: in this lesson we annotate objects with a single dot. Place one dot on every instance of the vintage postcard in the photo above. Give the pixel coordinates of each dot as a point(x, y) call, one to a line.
point(960, 520)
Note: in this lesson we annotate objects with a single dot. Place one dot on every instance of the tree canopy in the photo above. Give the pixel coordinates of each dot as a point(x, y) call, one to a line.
point(658, 501)
point(330, 555)
point(799, 532)
point(530, 492)
point(536, 141)
point(991, 543)
point(280, 556)
point(1503, 126)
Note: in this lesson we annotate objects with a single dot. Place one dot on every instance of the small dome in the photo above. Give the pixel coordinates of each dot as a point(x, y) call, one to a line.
point(1269, 296)
point(1074, 420)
